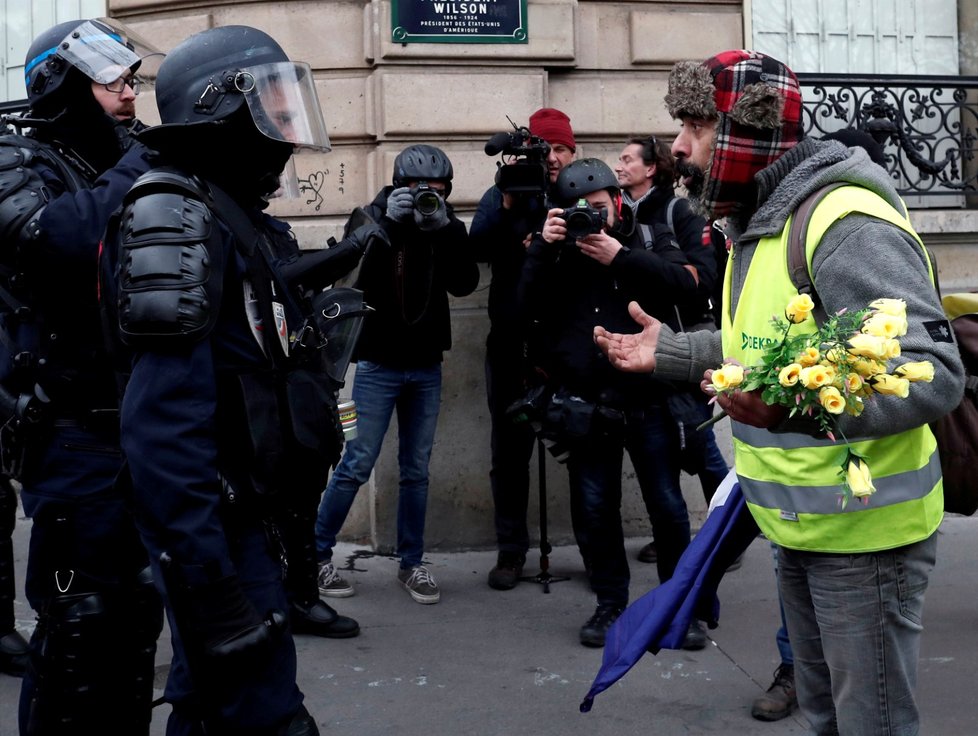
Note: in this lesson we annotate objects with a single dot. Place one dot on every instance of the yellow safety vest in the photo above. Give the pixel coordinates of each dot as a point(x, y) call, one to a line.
point(791, 481)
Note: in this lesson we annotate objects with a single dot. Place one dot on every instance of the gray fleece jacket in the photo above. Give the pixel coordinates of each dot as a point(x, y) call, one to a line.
point(858, 260)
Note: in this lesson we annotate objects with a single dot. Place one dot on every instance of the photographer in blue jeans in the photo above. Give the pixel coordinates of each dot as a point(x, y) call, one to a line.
point(399, 357)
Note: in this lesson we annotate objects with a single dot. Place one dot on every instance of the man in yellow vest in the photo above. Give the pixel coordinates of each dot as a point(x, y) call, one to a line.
point(852, 577)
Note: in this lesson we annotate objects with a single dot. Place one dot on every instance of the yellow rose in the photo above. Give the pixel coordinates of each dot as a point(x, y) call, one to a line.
point(859, 478)
point(808, 356)
point(896, 307)
point(836, 355)
point(886, 325)
point(884, 383)
point(867, 368)
point(831, 400)
point(892, 348)
point(867, 346)
point(728, 377)
point(788, 376)
point(853, 382)
point(920, 371)
point(816, 376)
point(799, 308)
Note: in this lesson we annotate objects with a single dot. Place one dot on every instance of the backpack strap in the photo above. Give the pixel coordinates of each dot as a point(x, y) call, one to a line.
point(669, 214)
point(798, 236)
point(647, 240)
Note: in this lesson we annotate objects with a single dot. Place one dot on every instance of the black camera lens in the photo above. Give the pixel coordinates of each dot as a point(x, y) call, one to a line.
point(427, 201)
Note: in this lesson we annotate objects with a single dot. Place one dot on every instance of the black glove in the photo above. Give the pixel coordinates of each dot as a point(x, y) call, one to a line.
point(217, 621)
point(434, 221)
point(125, 130)
point(366, 234)
point(400, 205)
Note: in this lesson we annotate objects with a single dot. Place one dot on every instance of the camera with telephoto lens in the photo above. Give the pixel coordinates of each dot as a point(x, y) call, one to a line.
point(582, 220)
point(427, 201)
point(526, 173)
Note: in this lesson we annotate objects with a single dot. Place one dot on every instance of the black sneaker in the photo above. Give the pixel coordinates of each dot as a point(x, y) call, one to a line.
point(648, 553)
point(695, 637)
point(780, 699)
point(506, 574)
point(593, 633)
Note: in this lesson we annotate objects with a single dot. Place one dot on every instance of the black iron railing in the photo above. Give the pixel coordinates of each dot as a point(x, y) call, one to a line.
point(928, 125)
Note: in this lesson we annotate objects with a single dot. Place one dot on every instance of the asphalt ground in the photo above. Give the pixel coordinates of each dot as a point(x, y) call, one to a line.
point(486, 663)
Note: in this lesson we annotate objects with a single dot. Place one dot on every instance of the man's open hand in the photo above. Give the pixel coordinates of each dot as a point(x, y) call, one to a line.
point(631, 353)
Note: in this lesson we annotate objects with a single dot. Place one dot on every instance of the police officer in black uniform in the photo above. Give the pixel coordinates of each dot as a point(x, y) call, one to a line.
point(98, 614)
point(229, 410)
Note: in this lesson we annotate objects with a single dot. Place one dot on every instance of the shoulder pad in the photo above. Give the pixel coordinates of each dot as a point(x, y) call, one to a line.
point(23, 192)
point(170, 262)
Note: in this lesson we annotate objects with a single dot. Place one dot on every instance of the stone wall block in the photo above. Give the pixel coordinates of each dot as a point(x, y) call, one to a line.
point(422, 101)
point(607, 105)
point(664, 37)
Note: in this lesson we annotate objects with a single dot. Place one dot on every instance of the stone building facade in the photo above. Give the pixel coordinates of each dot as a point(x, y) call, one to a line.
point(603, 62)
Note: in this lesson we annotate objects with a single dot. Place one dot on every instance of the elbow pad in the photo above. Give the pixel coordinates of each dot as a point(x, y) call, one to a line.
point(171, 262)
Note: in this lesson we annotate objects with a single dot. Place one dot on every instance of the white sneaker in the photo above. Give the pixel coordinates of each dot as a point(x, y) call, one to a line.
point(331, 584)
point(420, 584)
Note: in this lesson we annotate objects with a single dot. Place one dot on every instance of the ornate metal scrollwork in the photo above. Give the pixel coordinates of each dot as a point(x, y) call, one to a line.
point(928, 125)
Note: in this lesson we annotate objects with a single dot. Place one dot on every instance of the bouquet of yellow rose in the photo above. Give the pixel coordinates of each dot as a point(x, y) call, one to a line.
point(832, 371)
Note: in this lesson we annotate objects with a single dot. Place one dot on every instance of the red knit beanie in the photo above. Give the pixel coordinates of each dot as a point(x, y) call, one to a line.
point(553, 126)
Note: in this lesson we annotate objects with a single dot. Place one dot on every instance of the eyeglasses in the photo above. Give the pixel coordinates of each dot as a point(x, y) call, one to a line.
point(120, 84)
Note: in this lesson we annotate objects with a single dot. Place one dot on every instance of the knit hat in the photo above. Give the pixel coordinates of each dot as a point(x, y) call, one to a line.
point(756, 101)
point(553, 126)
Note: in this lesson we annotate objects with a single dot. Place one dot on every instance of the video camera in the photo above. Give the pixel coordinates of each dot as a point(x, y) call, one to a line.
point(582, 220)
point(526, 174)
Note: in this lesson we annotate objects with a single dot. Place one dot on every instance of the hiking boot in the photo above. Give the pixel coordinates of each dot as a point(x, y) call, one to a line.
point(648, 553)
point(695, 637)
point(506, 574)
point(593, 633)
point(320, 619)
point(14, 652)
point(331, 584)
point(420, 584)
point(780, 699)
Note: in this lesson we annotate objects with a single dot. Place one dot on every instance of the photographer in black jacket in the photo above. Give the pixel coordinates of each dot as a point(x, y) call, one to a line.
point(572, 281)
point(500, 234)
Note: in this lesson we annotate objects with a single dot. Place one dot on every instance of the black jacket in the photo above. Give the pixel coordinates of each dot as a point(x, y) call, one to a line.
point(688, 228)
point(566, 294)
point(408, 285)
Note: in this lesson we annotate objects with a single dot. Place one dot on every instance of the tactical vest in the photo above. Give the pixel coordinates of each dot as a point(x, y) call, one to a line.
point(792, 481)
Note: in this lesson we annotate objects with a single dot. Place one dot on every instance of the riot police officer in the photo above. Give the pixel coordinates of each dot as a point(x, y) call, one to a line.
point(98, 615)
point(229, 408)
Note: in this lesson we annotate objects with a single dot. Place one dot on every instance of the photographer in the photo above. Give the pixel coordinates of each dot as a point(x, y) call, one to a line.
point(507, 215)
point(573, 279)
point(646, 172)
point(399, 356)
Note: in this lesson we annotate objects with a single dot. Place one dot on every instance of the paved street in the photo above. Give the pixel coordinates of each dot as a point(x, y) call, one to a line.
point(490, 663)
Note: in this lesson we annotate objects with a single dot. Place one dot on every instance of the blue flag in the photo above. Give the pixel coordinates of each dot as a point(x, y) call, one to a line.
point(660, 618)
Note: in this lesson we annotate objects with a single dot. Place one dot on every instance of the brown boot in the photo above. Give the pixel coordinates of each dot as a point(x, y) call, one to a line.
point(780, 699)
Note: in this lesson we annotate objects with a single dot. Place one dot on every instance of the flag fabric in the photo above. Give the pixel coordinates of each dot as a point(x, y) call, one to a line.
point(660, 618)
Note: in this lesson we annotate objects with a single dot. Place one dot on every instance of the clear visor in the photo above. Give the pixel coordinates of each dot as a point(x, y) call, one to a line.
point(105, 50)
point(283, 103)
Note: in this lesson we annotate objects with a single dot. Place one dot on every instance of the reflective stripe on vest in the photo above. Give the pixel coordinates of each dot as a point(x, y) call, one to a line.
point(793, 482)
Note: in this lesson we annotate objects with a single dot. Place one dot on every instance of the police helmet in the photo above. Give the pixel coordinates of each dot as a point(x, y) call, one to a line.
point(583, 177)
point(214, 73)
point(422, 162)
point(100, 49)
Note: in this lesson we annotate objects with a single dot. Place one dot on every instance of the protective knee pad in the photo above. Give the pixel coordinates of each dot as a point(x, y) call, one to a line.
point(93, 661)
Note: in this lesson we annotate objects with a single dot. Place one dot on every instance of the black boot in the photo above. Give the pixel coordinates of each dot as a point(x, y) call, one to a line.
point(319, 619)
point(14, 653)
point(593, 633)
